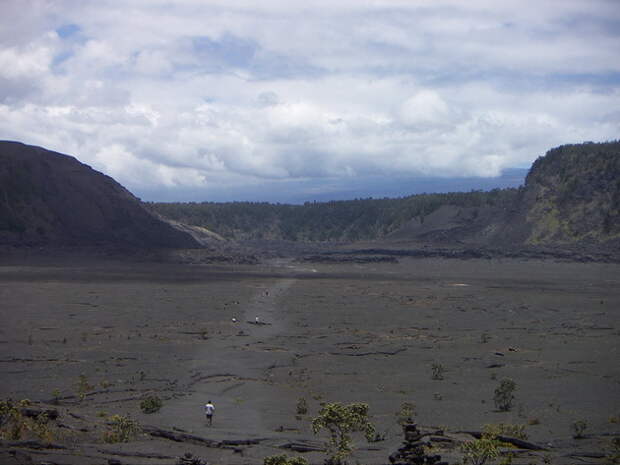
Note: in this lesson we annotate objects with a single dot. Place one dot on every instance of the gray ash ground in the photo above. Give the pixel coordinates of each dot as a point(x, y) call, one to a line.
point(344, 332)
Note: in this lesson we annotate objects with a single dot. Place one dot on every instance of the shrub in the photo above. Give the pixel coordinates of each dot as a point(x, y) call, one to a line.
point(15, 426)
point(578, 428)
point(340, 421)
point(123, 429)
point(284, 460)
point(83, 386)
point(503, 396)
point(406, 413)
point(479, 451)
point(151, 404)
point(501, 429)
point(56, 396)
point(302, 406)
point(614, 454)
point(438, 370)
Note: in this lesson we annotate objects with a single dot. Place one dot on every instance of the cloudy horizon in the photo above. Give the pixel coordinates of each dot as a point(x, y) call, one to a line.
point(230, 99)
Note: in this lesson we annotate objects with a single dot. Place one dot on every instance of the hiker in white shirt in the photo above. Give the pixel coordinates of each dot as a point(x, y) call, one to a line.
point(209, 409)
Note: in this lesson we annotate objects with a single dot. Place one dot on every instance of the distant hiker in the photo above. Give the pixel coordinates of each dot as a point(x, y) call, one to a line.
point(256, 320)
point(234, 320)
point(209, 409)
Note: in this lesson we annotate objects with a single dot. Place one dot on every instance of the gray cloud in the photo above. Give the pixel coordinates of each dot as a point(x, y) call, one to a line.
point(212, 95)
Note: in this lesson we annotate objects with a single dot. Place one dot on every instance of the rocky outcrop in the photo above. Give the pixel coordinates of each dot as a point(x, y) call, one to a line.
point(571, 195)
point(412, 451)
point(47, 198)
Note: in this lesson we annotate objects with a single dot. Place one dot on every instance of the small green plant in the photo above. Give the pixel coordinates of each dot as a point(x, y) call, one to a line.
point(578, 428)
point(485, 337)
point(614, 455)
point(340, 421)
point(481, 450)
point(504, 395)
point(406, 413)
point(302, 406)
point(284, 460)
point(83, 386)
point(122, 429)
point(105, 384)
point(502, 429)
point(56, 396)
point(438, 371)
point(151, 404)
point(487, 448)
point(14, 425)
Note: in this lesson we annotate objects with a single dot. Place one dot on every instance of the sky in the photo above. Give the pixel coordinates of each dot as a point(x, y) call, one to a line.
point(222, 100)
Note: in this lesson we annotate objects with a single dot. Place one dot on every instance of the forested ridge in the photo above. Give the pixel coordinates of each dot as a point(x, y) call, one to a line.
point(572, 194)
point(346, 220)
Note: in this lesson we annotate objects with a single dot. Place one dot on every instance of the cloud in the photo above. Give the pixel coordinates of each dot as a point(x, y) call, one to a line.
point(219, 94)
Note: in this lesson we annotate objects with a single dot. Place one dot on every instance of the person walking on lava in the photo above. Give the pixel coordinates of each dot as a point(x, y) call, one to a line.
point(209, 409)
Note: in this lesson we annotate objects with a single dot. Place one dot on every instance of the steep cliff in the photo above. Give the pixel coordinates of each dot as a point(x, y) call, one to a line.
point(571, 195)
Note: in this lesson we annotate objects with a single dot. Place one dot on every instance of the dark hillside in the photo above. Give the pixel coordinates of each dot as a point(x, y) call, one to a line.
point(47, 198)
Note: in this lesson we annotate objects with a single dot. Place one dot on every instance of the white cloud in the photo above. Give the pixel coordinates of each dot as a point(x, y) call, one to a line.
point(191, 93)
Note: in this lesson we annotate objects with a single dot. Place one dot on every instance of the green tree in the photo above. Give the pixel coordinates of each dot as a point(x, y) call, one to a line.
point(503, 396)
point(341, 421)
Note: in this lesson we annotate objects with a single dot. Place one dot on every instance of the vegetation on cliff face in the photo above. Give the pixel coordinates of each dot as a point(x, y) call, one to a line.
point(347, 220)
point(572, 194)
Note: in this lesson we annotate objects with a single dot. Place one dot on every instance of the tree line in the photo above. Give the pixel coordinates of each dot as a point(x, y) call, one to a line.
point(343, 220)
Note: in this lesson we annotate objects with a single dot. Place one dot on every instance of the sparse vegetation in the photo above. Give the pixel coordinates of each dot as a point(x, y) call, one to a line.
point(406, 413)
point(614, 455)
point(302, 406)
point(502, 429)
point(151, 404)
point(283, 459)
point(56, 396)
point(341, 421)
point(15, 426)
point(122, 429)
point(438, 371)
point(479, 451)
point(83, 386)
point(503, 396)
point(578, 427)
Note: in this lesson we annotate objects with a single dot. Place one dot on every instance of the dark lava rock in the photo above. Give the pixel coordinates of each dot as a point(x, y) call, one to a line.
point(51, 199)
point(412, 450)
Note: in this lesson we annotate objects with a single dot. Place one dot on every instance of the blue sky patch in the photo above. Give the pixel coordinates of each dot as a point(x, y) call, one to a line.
point(68, 30)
